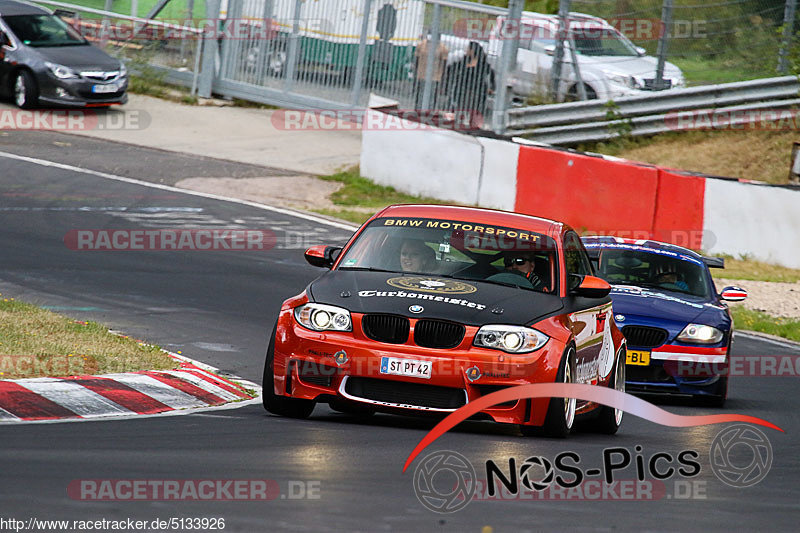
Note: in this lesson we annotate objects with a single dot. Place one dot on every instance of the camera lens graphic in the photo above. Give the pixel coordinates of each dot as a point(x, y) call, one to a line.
point(445, 481)
point(741, 455)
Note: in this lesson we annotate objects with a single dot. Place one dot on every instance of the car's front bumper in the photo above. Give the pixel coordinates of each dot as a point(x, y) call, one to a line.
point(677, 369)
point(324, 366)
point(79, 92)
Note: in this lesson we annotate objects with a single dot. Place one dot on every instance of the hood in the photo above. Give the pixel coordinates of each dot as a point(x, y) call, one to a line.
point(79, 57)
point(643, 302)
point(467, 302)
point(643, 67)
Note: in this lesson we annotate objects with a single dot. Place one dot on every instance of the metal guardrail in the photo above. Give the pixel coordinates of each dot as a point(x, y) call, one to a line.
point(587, 121)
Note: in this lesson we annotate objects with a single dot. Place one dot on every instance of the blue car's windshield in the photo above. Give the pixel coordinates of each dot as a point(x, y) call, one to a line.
point(654, 269)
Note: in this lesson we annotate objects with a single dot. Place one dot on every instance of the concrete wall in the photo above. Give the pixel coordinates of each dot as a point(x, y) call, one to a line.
point(592, 193)
point(442, 164)
point(758, 220)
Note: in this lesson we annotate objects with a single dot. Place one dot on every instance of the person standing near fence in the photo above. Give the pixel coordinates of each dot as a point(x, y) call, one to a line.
point(439, 64)
point(469, 83)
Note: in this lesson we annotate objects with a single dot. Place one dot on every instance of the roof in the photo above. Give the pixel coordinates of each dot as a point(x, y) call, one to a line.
point(575, 19)
point(487, 216)
point(12, 7)
point(599, 241)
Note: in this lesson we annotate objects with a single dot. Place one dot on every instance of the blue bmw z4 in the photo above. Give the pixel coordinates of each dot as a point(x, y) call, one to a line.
point(678, 327)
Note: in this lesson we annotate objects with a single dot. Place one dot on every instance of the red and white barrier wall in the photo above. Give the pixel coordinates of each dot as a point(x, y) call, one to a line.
point(593, 194)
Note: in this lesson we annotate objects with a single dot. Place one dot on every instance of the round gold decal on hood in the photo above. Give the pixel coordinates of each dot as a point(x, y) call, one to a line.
point(432, 285)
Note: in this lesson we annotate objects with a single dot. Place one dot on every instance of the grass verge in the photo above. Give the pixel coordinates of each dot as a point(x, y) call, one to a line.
point(359, 198)
point(35, 342)
point(151, 85)
point(758, 321)
point(755, 155)
point(750, 269)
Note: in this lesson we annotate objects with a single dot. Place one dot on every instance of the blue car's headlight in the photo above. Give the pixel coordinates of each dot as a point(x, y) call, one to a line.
point(511, 339)
point(700, 334)
point(322, 317)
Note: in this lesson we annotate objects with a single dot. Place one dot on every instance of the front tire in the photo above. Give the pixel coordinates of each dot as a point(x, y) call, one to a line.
point(561, 411)
point(26, 92)
point(281, 405)
point(574, 96)
point(609, 419)
point(719, 399)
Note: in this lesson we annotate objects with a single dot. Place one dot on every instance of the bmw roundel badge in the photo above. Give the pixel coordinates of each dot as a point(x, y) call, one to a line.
point(416, 309)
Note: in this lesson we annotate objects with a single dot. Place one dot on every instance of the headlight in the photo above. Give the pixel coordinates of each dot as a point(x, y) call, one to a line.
point(321, 317)
point(700, 334)
point(61, 72)
point(123, 70)
point(622, 79)
point(511, 339)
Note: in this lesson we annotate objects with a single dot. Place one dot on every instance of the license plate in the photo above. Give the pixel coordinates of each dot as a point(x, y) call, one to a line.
point(108, 88)
point(637, 357)
point(406, 367)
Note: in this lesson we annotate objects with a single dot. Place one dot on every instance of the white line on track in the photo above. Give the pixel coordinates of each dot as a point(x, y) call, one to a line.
point(281, 210)
point(756, 336)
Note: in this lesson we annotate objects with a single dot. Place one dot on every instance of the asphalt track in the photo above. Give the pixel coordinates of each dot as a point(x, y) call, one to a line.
point(219, 307)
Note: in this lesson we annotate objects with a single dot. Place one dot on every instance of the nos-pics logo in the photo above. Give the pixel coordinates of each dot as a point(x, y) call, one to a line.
point(445, 481)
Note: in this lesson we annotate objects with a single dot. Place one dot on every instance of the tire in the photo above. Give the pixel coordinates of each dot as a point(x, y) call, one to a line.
point(281, 405)
point(561, 412)
point(573, 96)
point(716, 400)
point(25, 90)
point(609, 419)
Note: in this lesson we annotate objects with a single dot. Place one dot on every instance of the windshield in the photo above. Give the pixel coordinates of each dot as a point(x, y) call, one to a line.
point(667, 271)
point(598, 41)
point(457, 249)
point(43, 30)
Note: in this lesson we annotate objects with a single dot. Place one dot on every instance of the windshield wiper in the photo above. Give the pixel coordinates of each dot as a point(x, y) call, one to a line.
point(367, 269)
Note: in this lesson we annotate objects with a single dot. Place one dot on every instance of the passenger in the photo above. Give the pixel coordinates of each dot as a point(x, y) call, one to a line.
point(416, 256)
point(519, 270)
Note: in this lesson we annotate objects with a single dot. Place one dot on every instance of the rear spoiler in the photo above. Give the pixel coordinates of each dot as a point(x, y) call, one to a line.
point(714, 262)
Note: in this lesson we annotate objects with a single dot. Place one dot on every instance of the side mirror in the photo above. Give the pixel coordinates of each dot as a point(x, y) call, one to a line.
point(322, 255)
point(588, 286)
point(4, 39)
point(641, 51)
point(733, 294)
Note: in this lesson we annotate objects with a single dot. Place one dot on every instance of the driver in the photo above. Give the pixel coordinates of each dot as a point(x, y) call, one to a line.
point(665, 274)
point(519, 270)
point(416, 256)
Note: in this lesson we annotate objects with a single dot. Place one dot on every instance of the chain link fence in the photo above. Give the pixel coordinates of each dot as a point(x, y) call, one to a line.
point(163, 49)
point(711, 42)
point(461, 63)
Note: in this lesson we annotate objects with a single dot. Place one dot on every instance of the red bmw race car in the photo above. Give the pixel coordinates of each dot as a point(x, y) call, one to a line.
point(430, 307)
